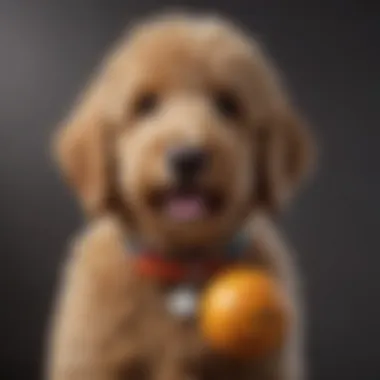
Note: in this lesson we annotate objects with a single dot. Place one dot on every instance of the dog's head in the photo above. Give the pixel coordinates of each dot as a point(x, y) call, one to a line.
point(188, 126)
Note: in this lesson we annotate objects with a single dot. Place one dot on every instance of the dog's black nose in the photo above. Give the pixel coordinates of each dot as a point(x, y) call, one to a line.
point(187, 162)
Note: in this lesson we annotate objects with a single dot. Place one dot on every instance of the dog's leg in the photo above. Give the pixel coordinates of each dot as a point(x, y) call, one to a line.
point(270, 251)
point(93, 316)
point(287, 365)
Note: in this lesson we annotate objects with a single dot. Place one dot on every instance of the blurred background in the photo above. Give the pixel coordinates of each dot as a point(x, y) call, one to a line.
point(330, 54)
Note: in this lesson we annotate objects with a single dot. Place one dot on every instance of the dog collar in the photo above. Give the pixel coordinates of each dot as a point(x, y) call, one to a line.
point(155, 266)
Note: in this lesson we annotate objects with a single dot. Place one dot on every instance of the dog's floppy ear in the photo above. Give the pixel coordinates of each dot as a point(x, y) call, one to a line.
point(286, 154)
point(81, 151)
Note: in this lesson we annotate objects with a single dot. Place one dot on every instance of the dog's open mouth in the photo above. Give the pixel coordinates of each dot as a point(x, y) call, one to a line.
point(187, 204)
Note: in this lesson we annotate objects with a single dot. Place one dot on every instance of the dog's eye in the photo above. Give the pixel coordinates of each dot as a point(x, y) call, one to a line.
point(146, 104)
point(227, 104)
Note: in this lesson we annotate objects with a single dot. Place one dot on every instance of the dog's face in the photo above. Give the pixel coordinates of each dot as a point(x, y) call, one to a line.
point(188, 119)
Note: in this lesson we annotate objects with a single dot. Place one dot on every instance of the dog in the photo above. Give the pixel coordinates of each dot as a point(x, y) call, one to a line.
point(185, 138)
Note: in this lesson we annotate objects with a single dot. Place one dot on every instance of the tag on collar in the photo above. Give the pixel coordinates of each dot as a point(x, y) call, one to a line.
point(182, 301)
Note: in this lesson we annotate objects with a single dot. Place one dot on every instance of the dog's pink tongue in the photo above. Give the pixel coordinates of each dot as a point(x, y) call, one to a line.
point(185, 208)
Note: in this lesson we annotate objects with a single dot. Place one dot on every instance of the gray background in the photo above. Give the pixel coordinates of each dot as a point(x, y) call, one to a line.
point(330, 55)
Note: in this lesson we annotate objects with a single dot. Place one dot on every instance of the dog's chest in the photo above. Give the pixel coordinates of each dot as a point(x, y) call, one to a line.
point(167, 333)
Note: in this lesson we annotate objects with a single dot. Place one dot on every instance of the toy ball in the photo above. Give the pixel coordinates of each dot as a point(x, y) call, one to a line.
point(242, 314)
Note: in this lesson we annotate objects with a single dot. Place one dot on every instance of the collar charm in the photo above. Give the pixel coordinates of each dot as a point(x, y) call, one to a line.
point(182, 301)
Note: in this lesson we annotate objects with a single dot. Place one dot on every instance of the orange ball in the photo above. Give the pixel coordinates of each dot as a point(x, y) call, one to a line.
point(242, 314)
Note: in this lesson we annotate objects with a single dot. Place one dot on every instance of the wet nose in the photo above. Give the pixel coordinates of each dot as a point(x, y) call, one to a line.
point(187, 162)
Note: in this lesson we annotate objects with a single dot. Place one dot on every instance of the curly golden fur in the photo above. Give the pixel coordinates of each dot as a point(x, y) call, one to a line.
point(172, 81)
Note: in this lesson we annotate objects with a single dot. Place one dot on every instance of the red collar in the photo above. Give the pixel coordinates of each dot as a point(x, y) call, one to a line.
point(172, 271)
point(158, 267)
